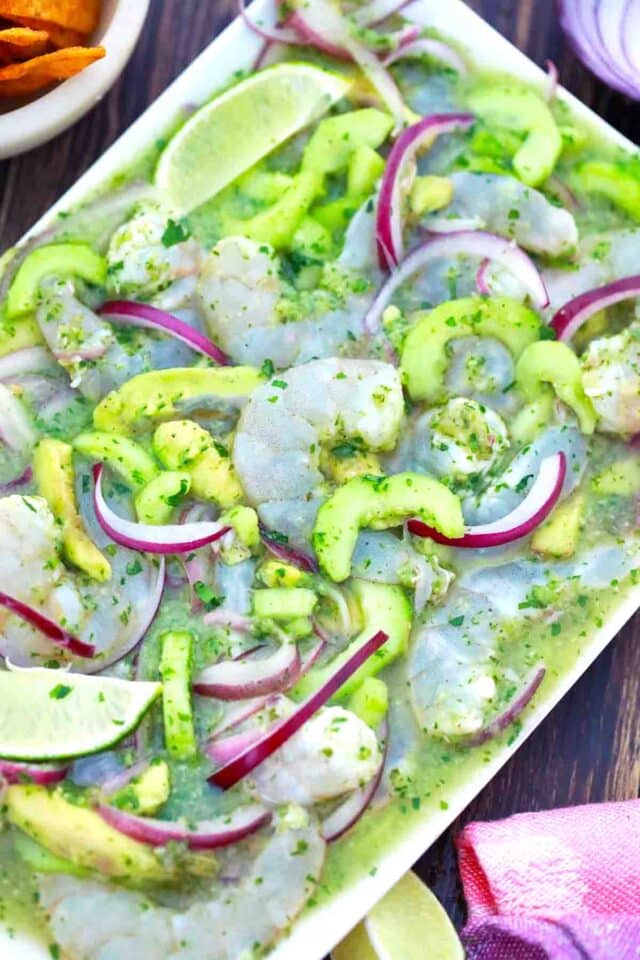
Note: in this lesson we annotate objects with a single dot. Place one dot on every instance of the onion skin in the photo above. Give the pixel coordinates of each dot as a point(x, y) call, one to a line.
point(252, 757)
point(147, 538)
point(507, 530)
point(512, 712)
point(389, 225)
point(569, 318)
point(208, 835)
point(144, 315)
point(57, 634)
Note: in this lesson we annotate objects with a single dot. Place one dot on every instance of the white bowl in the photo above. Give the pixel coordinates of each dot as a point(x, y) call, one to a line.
point(49, 114)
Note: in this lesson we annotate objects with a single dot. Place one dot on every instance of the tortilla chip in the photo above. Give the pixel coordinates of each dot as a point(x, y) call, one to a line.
point(22, 43)
point(80, 15)
point(20, 79)
point(59, 37)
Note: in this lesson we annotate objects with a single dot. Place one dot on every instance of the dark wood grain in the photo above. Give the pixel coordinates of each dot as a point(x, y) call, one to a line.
point(588, 750)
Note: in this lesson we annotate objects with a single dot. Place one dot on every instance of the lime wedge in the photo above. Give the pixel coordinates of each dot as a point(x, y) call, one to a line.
point(408, 924)
point(53, 715)
point(233, 132)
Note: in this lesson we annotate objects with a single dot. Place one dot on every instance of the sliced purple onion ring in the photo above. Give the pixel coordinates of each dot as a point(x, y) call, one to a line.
point(57, 634)
point(569, 318)
point(511, 713)
point(470, 243)
point(26, 360)
point(228, 775)
point(205, 835)
point(21, 480)
point(377, 11)
point(389, 215)
point(239, 712)
point(298, 558)
point(429, 47)
point(223, 750)
point(242, 679)
point(134, 314)
point(336, 824)
point(599, 32)
point(42, 774)
point(151, 538)
point(523, 520)
point(274, 34)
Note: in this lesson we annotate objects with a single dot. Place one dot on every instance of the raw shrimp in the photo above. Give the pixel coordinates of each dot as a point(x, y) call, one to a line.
point(452, 665)
point(334, 753)
point(239, 289)
point(483, 370)
point(599, 260)
point(504, 205)
point(511, 486)
point(611, 378)
point(32, 571)
point(287, 421)
point(145, 259)
point(86, 345)
point(264, 883)
point(382, 557)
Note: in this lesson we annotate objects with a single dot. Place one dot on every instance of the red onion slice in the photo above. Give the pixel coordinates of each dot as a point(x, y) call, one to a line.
point(253, 756)
point(569, 318)
point(20, 481)
point(529, 514)
point(470, 243)
point(242, 679)
point(206, 835)
point(43, 774)
point(429, 47)
point(349, 812)
point(315, 35)
point(57, 634)
point(134, 314)
point(26, 360)
point(580, 20)
point(377, 11)
point(389, 216)
point(521, 700)
point(223, 750)
point(240, 712)
point(286, 553)
point(270, 34)
point(149, 538)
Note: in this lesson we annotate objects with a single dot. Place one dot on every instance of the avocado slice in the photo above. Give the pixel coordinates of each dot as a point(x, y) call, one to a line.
point(558, 536)
point(53, 260)
point(618, 182)
point(154, 395)
point(145, 794)
point(185, 445)
point(337, 139)
point(383, 608)
point(622, 478)
point(53, 470)
point(20, 333)
point(380, 502)
point(79, 835)
point(424, 356)
point(371, 701)
point(122, 454)
point(155, 502)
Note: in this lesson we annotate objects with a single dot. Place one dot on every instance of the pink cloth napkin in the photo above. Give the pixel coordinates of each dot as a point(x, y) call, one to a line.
point(558, 885)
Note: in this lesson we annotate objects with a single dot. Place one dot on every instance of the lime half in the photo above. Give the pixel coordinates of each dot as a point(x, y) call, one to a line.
point(54, 715)
point(408, 924)
point(237, 129)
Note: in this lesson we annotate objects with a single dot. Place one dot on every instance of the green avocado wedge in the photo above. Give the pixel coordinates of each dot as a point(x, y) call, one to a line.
point(154, 395)
point(379, 502)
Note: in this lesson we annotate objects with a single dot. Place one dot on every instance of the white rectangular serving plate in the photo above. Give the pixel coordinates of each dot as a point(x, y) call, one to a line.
point(319, 929)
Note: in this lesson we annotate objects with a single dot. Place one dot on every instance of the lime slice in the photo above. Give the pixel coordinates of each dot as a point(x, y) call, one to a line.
point(53, 715)
point(237, 129)
point(408, 924)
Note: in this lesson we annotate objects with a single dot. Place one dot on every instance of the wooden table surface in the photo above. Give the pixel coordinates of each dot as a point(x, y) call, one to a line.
point(588, 750)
